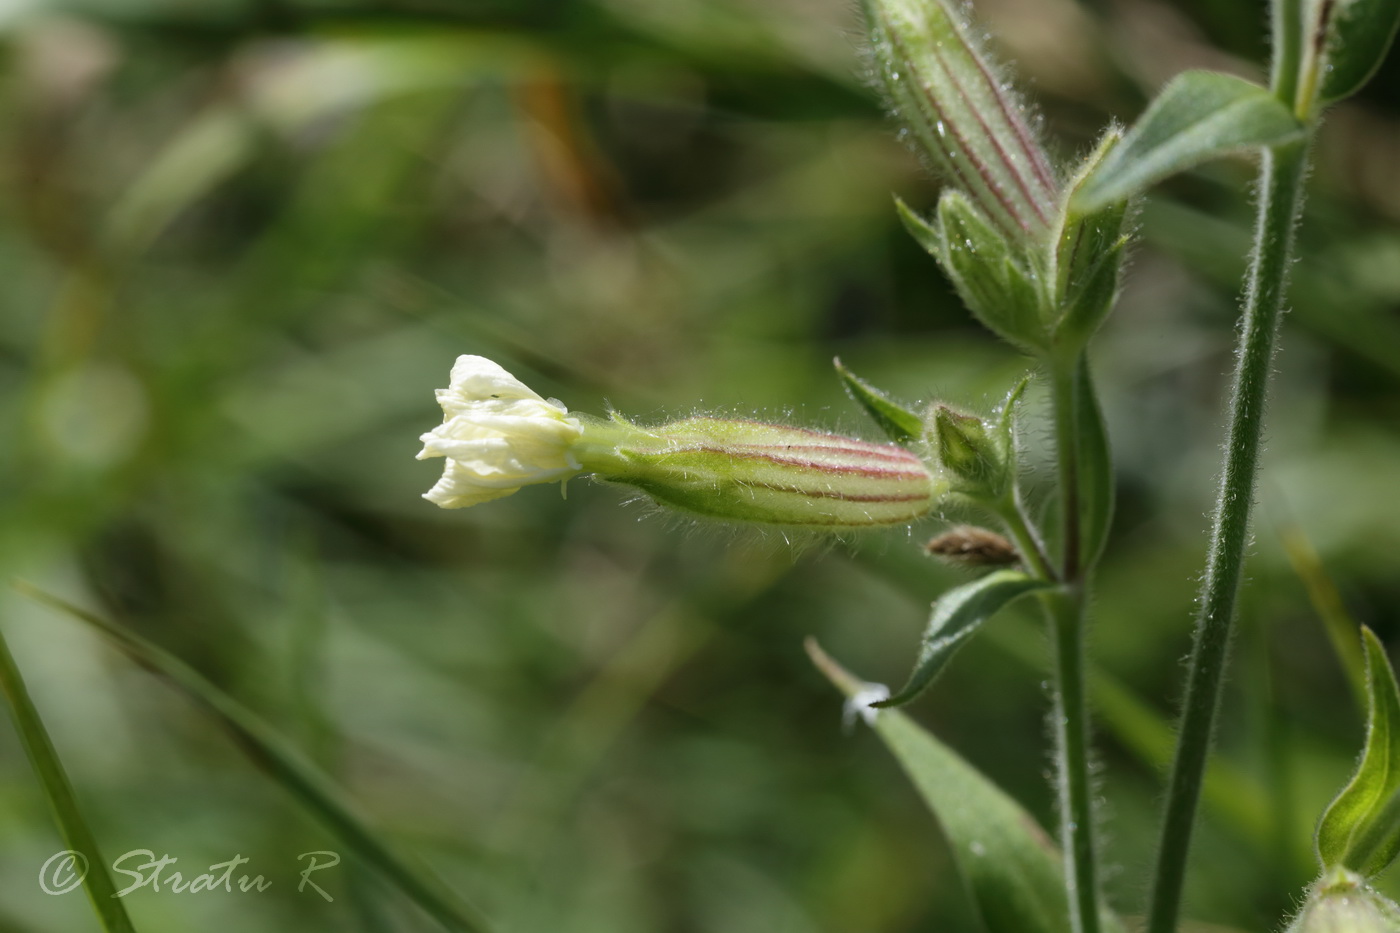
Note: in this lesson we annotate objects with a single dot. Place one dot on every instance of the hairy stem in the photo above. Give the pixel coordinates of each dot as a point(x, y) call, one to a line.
point(1066, 611)
point(1280, 202)
point(1013, 515)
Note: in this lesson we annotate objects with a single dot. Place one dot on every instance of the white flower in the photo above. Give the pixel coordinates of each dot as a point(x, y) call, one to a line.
point(497, 436)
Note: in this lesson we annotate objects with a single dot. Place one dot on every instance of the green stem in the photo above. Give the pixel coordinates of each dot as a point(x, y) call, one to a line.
point(1280, 202)
point(1066, 611)
point(1076, 793)
point(1012, 512)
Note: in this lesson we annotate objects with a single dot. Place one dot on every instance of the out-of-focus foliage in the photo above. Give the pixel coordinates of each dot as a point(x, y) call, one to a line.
point(241, 242)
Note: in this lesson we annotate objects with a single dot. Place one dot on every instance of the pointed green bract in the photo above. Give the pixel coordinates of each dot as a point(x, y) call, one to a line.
point(1009, 865)
point(1089, 256)
point(957, 614)
point(1360, 35)
point(926, 234)
point(899, 423)
point(988, 273)
point(1360, 830)
point(1198, 116)
point(962, 112)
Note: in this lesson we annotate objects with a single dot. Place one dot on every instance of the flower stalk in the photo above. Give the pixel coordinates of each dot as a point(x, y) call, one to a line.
point(1280, 204)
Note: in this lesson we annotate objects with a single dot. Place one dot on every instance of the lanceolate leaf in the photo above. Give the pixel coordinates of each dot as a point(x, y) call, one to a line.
point(956, 615)
point(1199, 115)
point(1010, 867)
point(921, 230)
point(1361, 829)
point(899, 423)
point(1096, 485)
point(1361, 34)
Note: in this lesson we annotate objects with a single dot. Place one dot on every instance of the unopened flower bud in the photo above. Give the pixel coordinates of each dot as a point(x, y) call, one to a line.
point(963, 113)
point(1343, 903)
point(973, 451)
point(752, 471)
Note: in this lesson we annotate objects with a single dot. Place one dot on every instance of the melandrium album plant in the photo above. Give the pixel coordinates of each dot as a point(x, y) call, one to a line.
point(1035, 248)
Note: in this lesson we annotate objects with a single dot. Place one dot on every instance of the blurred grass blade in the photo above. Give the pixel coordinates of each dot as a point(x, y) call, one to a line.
point(289, 768)
point(1361, 828)
point(1327, 602)
point(899, 423)
point(1096, 486)
point(1009, 865)
point(1198, 116)
point(77, 835)
point(956, 615)
point(1361, 33)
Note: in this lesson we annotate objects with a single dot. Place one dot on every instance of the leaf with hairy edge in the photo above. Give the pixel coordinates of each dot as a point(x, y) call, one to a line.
point(1360, 35)
point(1360, 830)
point(1198, 116)
point(1096, 486)
point(899, 423)
point(956, 615)
point(270, 751)
point(926, 234)
point(1010, 867)
point(1089, 257)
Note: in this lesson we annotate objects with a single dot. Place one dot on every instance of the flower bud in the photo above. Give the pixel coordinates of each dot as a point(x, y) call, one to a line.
point(756, 472)
point(1342, 903)
point(974, 451)
point(962, 112)
point(497, 436)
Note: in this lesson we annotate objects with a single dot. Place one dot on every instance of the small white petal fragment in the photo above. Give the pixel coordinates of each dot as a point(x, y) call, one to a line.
point(861, 704)
point(497, 435)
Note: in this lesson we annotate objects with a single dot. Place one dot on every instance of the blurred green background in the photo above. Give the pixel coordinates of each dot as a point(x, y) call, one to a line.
point(241, 242)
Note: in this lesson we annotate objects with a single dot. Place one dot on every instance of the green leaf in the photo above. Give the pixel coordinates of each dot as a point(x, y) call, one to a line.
point(288, 767)
point(899, 423)
point(1360, 830)
point(1010, 867)
point(1360, 36)
point(956, 615)
point(1198, 116)
point(77, 835)
point(925, 233)
point(1096, 485)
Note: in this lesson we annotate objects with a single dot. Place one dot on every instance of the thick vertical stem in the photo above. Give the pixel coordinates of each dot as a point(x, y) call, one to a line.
point(1280, 202)
point(1066, 611)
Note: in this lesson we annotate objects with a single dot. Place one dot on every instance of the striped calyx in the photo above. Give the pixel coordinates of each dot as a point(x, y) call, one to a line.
point(750, 471)
point(963, 113)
